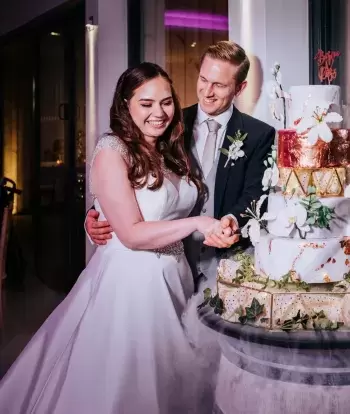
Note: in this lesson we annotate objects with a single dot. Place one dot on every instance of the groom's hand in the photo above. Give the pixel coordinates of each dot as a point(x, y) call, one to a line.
point(224, 237)
point(99, 231)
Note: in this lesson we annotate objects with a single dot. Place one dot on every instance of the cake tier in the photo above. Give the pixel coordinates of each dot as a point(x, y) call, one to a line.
point(305, 96)
point(294, 150)
point(280, 306)
point(339, 225)
point(327, 181)
point(313, 260)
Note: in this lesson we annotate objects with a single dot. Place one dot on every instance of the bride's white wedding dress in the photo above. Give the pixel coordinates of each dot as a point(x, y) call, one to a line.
point(116, 344)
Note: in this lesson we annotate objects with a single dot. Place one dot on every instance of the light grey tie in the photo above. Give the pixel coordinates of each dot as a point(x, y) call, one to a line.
point(210, 146)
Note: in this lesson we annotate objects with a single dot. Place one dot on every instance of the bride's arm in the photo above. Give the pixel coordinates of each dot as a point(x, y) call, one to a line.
point(113, 190)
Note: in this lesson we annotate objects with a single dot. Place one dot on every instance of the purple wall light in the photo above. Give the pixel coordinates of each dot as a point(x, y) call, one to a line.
point(194, 20)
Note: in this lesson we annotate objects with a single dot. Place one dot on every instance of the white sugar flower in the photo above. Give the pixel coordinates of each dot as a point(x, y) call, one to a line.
point(347, 191)
point(274, 91)
point(279, 77)
point(270, 178)
point(294, 216)
point(276, 72)
point(315, 123)
point(253, 228)
point(259, 204)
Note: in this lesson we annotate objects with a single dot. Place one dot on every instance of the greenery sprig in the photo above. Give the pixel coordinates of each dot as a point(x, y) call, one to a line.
point(246, 273)
point(290, 279)
point(318, 215)
point(251, 313)
point(213, 301)
point(318, 321)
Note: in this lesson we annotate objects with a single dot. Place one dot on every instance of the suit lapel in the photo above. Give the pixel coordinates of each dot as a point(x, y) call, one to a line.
point(235, 123)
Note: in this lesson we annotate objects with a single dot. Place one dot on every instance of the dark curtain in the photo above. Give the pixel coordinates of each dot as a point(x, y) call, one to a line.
point(327, 19)
point(135, 32)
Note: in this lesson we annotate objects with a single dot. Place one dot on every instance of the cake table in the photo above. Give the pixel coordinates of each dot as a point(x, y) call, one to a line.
point(275, 372)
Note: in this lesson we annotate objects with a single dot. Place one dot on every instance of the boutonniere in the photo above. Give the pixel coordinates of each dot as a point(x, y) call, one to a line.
point(234, 151)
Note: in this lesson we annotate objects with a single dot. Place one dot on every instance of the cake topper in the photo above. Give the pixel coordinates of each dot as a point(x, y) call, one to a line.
point(325, 62)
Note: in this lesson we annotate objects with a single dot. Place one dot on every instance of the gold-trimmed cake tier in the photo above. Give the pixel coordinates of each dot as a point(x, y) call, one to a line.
point(244, 295)
point(328, 182)
point(280, 307)
point(294, 150)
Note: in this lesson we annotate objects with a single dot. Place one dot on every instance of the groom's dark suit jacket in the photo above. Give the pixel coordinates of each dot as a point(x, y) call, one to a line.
point(238, 185)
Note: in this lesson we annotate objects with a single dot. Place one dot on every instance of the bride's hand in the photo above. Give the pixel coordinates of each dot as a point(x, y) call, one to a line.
point(215, 232)
point(224, 235)
point(207, 225)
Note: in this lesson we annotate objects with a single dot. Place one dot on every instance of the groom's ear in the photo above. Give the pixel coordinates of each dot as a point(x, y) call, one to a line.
point(240, 88)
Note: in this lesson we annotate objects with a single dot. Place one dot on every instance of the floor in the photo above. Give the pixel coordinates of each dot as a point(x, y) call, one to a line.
point(26, 308)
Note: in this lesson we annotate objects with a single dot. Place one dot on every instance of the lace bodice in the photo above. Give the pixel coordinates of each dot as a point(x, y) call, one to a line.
point(174, 200)
point(107, 141)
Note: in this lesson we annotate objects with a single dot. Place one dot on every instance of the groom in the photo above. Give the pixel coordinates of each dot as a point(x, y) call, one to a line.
point(232, 184)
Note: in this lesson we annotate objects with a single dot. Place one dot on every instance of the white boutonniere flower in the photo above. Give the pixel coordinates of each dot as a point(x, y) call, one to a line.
point(253, 228)
point(315, 123)
point(234, 151)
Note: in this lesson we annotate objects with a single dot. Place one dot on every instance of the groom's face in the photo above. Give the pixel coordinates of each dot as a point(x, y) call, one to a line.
point(217, 85)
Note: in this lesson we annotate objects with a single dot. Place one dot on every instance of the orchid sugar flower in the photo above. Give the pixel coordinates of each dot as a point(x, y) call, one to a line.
point(315, 123)
point(294, 216)
point(253, 228)
point(276, 93)
point(271, 174)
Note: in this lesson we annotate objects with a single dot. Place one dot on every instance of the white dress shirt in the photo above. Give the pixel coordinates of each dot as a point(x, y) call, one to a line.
point(200, 129)
point(200, 133)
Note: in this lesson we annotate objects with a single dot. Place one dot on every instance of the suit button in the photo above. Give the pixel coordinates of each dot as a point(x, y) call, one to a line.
point(204, 210)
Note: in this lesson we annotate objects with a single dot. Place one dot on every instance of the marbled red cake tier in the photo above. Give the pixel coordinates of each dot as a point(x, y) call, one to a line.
point(294, 150)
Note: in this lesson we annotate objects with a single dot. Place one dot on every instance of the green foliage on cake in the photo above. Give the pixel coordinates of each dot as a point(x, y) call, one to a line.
point(318, 215)
point(214, 302)
point(251, 313)
point(317, 321)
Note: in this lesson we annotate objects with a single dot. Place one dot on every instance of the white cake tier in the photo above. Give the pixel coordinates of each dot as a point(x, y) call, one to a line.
point(314, 261)
point(339, 226)
point(310, 95)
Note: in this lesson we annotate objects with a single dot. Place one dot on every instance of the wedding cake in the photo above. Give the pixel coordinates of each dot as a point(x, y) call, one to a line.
point(298, 276)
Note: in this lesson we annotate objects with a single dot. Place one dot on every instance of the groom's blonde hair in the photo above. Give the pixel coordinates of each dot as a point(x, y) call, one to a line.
point(230, 52)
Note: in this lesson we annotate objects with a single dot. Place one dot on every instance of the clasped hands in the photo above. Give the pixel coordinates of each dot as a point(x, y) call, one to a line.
point(222, 234)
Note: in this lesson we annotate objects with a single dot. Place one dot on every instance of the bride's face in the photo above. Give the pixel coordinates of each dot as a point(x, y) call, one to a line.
point(152, 108)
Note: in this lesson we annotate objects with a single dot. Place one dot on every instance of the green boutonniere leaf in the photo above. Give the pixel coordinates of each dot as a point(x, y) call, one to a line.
point(231, 139)
point(224, 151)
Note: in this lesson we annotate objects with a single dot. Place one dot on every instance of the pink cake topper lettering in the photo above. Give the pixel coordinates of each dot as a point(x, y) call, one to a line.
point(325, 62)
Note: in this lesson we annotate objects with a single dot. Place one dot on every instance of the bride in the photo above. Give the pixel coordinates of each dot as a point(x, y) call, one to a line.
point(116, 344)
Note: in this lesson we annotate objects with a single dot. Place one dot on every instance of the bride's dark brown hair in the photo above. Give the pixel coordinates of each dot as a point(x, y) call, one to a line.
point(143, 159)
